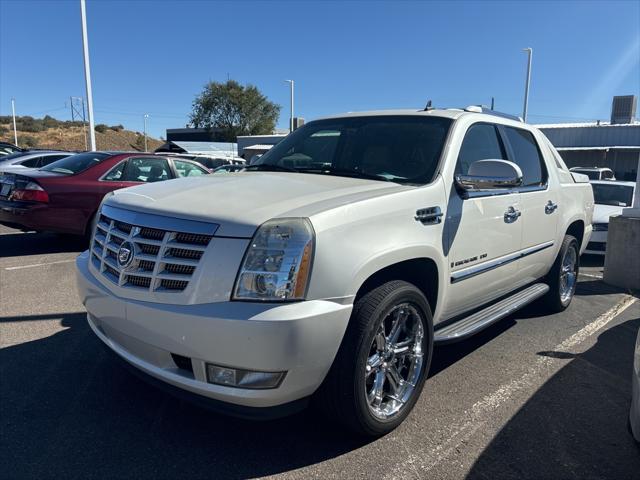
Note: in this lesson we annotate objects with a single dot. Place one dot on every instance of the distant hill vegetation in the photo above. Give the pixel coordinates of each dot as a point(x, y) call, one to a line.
point(49, 132)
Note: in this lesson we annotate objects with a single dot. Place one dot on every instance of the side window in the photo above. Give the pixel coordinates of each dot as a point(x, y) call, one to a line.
point(115, 174)
point(146, 170)
point(481, 142)
point(527, 156)
point(50, 159)
point(31, 163)
point(187, 169)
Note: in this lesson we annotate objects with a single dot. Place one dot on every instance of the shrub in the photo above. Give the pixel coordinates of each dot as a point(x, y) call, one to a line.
point(29, 124)
point(101, 127)
point(28, 141)
point(4, 130)
point(50, 122)
point(116, 128)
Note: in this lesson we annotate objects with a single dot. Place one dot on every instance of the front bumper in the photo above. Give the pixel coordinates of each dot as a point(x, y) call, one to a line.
point(300, 338)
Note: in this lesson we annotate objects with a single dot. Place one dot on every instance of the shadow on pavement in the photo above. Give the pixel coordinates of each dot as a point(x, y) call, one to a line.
point(575, 425)
point(70, 410)
point(446, 355)
point(587, 260)
point(21, 243)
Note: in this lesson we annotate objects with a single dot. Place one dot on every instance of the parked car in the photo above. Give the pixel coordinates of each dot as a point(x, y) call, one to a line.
point(64, 195)
point(210, 162)
point(595, 173)
point(8, 148)
point(610, 198)
point(31, 159)
point(332, 266)
point(634, 413)
point(223, 169)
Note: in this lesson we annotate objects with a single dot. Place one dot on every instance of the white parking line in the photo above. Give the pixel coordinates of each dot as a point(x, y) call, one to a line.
point(20, 267)
point(481, 410)
point(590, 275)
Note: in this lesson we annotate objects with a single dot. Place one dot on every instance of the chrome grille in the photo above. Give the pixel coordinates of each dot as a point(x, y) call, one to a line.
point(163, 260)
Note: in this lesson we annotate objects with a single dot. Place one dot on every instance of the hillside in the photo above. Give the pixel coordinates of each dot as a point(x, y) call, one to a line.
point(65, 135)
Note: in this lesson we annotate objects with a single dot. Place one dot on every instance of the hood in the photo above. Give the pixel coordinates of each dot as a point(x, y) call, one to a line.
point(601, 213)
point(241, 202)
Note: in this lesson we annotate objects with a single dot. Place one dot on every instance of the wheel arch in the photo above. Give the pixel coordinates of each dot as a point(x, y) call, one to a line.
point(577, 230)
point(423, 272)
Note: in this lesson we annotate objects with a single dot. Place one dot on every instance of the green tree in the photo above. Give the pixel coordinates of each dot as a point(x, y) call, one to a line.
point(234, 109)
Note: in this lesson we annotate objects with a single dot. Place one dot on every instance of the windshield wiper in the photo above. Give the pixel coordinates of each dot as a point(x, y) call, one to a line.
point(267, 167)
point(344, 172)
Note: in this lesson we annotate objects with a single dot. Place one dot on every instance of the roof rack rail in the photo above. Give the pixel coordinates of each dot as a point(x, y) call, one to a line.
point(488, 111)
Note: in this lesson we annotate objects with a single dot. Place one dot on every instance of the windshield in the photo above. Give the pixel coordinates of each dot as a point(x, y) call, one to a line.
point(75, 163)
point(616, 195)
point(403, 149)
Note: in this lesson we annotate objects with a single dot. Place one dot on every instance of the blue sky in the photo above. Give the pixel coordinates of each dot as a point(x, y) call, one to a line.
point(155, 56)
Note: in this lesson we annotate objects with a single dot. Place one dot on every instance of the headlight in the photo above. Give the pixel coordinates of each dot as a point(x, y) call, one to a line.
point(600, 227)
point(278, 262)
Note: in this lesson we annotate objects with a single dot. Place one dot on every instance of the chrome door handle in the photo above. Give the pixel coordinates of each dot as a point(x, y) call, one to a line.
point(550, 207)
point(511, 215)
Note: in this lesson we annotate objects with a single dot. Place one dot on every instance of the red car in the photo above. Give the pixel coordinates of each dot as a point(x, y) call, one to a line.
point(64, 196)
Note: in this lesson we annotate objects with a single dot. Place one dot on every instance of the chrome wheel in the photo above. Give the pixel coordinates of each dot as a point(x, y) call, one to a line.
point(568, 274)
point(395, 361)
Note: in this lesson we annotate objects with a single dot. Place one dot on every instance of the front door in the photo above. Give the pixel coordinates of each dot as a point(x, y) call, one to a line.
point(483, 230)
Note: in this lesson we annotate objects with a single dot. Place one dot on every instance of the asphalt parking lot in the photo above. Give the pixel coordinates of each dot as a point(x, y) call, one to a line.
point(532, 397)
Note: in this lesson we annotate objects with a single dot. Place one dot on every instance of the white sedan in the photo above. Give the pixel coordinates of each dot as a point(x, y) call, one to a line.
point(610, 199)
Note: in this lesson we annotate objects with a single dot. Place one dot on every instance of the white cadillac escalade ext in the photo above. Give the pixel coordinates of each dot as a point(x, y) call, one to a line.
point(329, 269)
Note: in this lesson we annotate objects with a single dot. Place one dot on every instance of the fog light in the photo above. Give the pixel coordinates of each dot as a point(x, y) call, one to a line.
point(239, 378)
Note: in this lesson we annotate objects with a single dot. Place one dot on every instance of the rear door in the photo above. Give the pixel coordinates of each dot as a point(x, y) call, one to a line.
point(539, 203)
point(483, 241)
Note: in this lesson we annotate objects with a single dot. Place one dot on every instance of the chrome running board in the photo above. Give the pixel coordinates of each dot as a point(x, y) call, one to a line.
point(467, 326)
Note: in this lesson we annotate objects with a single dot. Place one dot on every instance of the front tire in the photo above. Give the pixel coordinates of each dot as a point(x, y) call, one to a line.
point(563, 276)
point(381, 366)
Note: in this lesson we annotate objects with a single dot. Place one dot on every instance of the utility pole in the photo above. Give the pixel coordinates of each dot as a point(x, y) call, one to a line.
point(526, 86)
point(146, 115)
point(290, 82)
point(87, 72)
point(13, 112)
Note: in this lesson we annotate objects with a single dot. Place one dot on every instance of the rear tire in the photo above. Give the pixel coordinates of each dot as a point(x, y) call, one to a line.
point(563, 277)
point(379, 372)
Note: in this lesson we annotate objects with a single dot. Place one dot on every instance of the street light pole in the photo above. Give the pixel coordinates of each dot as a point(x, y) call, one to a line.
point(87, 73)
point(146, 115)
point(290, 82)
point(526, 87)
point(13, 112)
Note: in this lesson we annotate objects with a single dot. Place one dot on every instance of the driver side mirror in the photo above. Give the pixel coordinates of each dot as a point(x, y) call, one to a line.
point(487, 175)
